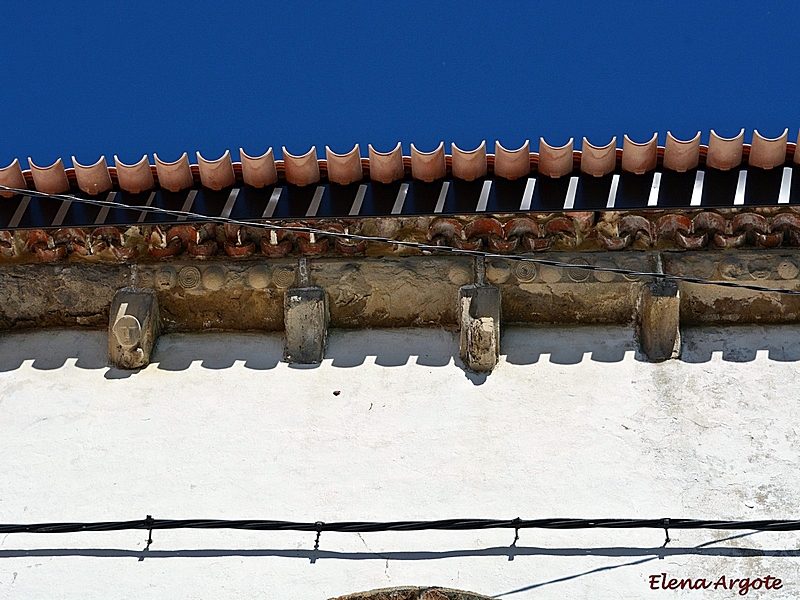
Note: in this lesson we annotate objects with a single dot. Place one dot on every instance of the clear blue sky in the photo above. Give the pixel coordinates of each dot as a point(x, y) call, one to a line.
point(91, 78)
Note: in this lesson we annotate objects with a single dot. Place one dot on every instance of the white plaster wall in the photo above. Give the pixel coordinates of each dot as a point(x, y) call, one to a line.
point(571, 424)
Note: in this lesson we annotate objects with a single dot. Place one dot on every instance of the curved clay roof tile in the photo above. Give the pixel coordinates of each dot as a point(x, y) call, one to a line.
point(428, 166)
point(93, 179)
point(512, 164)
point(134, 178)
point(386, 167)
point(639, 158)
point(174, 176)
point(599, 160)
point(301, 170)
point(724, 153)
point(11, 176)
point(797, 152)
point(766, 153)
point(50, 180)
point(216, 174)
point(469, 165)
point(344, 168)
point(681, 155)
point(555, 161)
point(258, 171)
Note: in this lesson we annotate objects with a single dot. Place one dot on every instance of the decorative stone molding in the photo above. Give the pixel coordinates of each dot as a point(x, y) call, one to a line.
point(400, 291)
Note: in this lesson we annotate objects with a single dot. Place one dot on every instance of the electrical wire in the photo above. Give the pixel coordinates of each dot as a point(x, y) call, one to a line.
point(374, 526)
point(431, 248)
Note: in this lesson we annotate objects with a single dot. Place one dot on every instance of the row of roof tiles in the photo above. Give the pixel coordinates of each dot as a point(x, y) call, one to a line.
point(387, 167)
point(690, 230)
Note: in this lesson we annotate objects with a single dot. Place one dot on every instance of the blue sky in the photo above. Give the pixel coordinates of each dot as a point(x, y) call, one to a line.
point(92, 78)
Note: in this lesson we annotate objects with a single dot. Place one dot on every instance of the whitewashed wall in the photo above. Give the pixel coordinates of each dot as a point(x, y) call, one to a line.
point(571, 424)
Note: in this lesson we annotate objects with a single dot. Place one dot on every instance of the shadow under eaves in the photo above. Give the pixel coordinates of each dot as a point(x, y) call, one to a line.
point(49, 349)
point(568, 345)
point(217, 350)
point(344, 349)
point(741, 343)
point(392, 347)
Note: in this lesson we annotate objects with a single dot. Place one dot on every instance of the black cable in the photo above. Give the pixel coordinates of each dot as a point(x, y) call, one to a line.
point(419, 246)
point(368, 526)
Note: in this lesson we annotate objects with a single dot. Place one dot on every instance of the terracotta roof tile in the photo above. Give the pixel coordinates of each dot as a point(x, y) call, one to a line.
point(50, 180)
point(174, 176)
point(301, 170)
point(258, 171)
point(599, 160)
point(428, 166)
point(555, 161)
point(639, 158)
point(346, 168)
point(666, 229)
point(767, 153)
point(11, 176)
point(794, 152)
point(681, 155)
point(386, 167)
point(216, 174)
point(134, 178)
point(512, 164)
point(93, 179)
point(724, 153)
point(469, 165)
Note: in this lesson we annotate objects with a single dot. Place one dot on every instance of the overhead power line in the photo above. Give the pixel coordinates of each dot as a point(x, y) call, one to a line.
point(150, 524)
point(374, 526)
point(430, 248)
